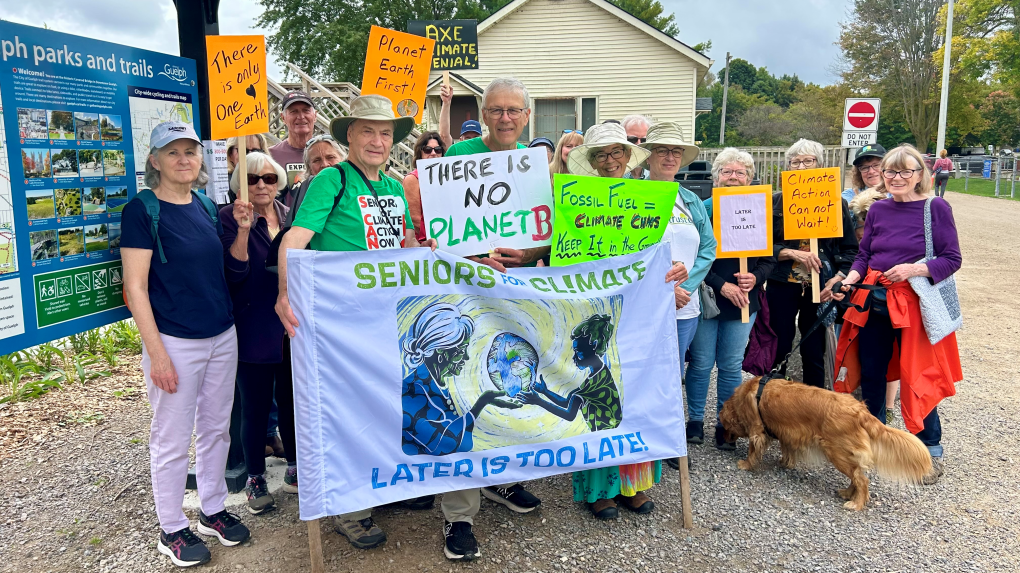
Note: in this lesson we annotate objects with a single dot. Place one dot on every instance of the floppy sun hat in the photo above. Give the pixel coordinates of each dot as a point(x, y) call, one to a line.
point(670, 133)
point(597, 137)
point(371, 108)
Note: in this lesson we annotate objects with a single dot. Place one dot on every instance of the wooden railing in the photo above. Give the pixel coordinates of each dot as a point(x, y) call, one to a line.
point(769, 162)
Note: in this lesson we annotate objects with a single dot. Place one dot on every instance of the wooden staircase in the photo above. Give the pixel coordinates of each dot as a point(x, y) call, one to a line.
point(333, 100)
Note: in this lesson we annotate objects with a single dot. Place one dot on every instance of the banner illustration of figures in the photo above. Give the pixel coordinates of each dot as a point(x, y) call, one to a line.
point(397, 66)
point(477, 203)
point(595, 217)
point(454, 376)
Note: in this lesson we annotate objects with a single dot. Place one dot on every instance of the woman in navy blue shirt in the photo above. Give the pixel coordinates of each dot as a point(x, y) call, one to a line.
point(189, 354)
point(264, 356)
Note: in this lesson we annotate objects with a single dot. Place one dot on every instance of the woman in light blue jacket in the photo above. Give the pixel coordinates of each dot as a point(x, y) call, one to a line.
point(689, 233)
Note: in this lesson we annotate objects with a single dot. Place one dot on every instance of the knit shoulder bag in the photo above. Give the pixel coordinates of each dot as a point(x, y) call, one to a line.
point(940, 303)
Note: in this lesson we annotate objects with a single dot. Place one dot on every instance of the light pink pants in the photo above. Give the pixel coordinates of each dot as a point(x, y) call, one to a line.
point(205, 394)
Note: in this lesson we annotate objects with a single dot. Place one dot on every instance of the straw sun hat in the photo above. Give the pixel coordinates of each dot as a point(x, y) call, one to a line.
point(597, 137)
point(670, 133)
point(373, 108)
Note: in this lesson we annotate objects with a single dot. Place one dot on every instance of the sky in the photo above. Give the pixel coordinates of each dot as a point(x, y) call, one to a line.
point(798, 38)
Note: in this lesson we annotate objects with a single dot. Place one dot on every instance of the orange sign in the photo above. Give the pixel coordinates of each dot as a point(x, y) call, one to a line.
point(238, 98)
point(397, 66)
point(812, 208)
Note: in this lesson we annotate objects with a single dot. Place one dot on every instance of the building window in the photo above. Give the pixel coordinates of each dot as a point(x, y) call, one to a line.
point(552, 116)
point(588, 113)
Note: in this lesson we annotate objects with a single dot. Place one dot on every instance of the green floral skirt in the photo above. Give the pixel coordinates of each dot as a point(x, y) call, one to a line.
point(607, 483)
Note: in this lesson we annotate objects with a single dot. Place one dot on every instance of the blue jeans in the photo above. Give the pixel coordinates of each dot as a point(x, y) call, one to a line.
point(685, 328)
point(719, 342)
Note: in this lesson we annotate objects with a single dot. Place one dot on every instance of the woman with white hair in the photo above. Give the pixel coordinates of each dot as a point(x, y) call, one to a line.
point(789, 285)
point(721, 340)
point(175, 287)
point(263, 368)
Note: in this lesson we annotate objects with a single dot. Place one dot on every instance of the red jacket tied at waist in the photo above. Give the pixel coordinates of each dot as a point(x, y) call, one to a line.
point(927, 373)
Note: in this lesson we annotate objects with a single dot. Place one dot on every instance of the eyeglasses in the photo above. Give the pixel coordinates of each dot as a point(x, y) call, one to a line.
point(269, 178)
point(602, 156)
point(733, 172)
point(577, 131)
point(511, 112)
point(429, 149)
point(636, 140)
point(662, 152)
point(318, 138)
point(905, 174)
point(803, 162)
point(868, 168)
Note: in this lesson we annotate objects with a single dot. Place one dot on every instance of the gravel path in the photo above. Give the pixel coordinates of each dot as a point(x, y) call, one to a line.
point(76, 497)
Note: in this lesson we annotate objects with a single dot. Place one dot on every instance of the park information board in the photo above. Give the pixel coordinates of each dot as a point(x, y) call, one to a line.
point(475, 204)
point(75, 123)
point(597, 217)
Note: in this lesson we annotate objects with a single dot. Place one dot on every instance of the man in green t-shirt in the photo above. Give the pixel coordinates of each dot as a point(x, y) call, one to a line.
point(361, 220)
point(505, 112)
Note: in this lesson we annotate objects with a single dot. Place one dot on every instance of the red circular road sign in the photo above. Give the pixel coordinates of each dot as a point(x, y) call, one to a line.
point(861, 114)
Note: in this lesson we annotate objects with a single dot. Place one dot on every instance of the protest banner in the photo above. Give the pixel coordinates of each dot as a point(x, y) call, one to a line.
point(742, 223)
point(598, 217)
point(449, 372)
point(76, 118)
point(238, 93)
point(474, 204)
point(812, 210)
point(397, 66)
point(456, 43)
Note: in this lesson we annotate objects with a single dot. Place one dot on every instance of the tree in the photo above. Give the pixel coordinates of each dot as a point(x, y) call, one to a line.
point(764, 124)
point(1001, 111)
point(889, 47)
point(650, 12)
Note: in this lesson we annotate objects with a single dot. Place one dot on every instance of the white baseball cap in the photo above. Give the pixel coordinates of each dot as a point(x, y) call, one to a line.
point(170, 131)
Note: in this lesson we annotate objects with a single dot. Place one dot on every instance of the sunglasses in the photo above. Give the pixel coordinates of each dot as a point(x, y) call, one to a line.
point(318, 138)
point(429, 149)
point(636, 140)
point(577, 131)
point(269, 178)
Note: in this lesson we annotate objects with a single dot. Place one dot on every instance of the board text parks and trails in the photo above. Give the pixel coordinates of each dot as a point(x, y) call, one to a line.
point(397, 66)
point(456, 42)
point(597, 217)
point(474, 204)
point(76, 118)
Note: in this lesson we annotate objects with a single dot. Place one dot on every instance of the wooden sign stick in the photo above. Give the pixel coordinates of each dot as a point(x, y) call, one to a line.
point(685, 493)
point(242, 164)
point(315, 547)
point(446, 78)
point(815, 294)
point(745, 315)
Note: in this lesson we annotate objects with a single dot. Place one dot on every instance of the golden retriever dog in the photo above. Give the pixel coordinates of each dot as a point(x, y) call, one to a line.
point(809, 421)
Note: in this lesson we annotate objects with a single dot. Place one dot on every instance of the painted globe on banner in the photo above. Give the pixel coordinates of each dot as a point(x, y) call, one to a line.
point(512, 363)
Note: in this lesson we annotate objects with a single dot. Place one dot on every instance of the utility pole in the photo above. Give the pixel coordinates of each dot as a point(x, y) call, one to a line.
point(725, 93)
point(944, 104)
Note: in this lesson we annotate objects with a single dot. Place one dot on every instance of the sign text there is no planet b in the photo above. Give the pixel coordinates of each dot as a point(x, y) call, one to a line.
point(456, 42)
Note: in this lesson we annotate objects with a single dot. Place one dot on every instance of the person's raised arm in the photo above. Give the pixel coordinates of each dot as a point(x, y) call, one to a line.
point(136, 294)
point(296, 238)
point(412, 192)
point(445, 94)
point(236, 231)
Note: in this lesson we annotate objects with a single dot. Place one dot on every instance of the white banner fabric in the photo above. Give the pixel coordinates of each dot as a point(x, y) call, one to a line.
point(417, 372)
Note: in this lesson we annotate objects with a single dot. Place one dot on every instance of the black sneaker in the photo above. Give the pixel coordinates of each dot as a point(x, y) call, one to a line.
point(183, 547)
point(515, 497)
point(290, 480)
point(259, 498)
point(419, 503)
point(720, 440)
point(695, 432)
point(460, 542)
point(224, 526)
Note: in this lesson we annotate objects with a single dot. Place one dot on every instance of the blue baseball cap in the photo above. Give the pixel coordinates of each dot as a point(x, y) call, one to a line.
point(471, 126)
point(542, 141)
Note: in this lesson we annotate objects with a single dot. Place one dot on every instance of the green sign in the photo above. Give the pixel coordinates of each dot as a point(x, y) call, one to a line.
point(598, 217)
point(81, 291)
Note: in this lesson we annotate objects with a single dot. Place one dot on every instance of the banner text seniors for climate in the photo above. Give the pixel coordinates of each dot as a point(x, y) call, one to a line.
point(418, 372)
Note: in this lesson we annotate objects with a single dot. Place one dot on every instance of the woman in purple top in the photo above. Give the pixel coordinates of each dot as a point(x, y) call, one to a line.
point(892, 244)
point(263, 360)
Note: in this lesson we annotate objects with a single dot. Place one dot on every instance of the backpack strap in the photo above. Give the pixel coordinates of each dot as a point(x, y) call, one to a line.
point(151, 203)
point(273, 257)
point(210, 208)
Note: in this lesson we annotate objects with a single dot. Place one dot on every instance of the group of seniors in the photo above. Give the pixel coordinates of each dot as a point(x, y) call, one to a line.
point(211, 315)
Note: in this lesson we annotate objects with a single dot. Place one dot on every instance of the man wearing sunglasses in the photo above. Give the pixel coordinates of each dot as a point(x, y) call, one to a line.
point(637, 133)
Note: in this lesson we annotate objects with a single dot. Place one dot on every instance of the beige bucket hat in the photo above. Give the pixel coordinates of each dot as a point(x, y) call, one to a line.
point(599, 136)
point(374, 108)
point(670, 133)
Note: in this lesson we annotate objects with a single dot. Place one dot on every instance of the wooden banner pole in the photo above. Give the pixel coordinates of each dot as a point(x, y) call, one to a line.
point(315, 547)
point(745, 315)
point(685, 493)
point(815, 294)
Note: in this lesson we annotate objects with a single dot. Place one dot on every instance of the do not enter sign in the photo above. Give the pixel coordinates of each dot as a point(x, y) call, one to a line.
point(861, 114)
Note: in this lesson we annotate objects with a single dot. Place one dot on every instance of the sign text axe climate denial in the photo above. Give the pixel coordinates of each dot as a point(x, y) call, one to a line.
point(456, 42)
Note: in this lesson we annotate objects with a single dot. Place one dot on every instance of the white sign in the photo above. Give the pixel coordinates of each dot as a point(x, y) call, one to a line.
point(859, 138)
point(473, 204)
point(861, 114)
point(743, 222)
point(419, 372)
point(218, 187)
